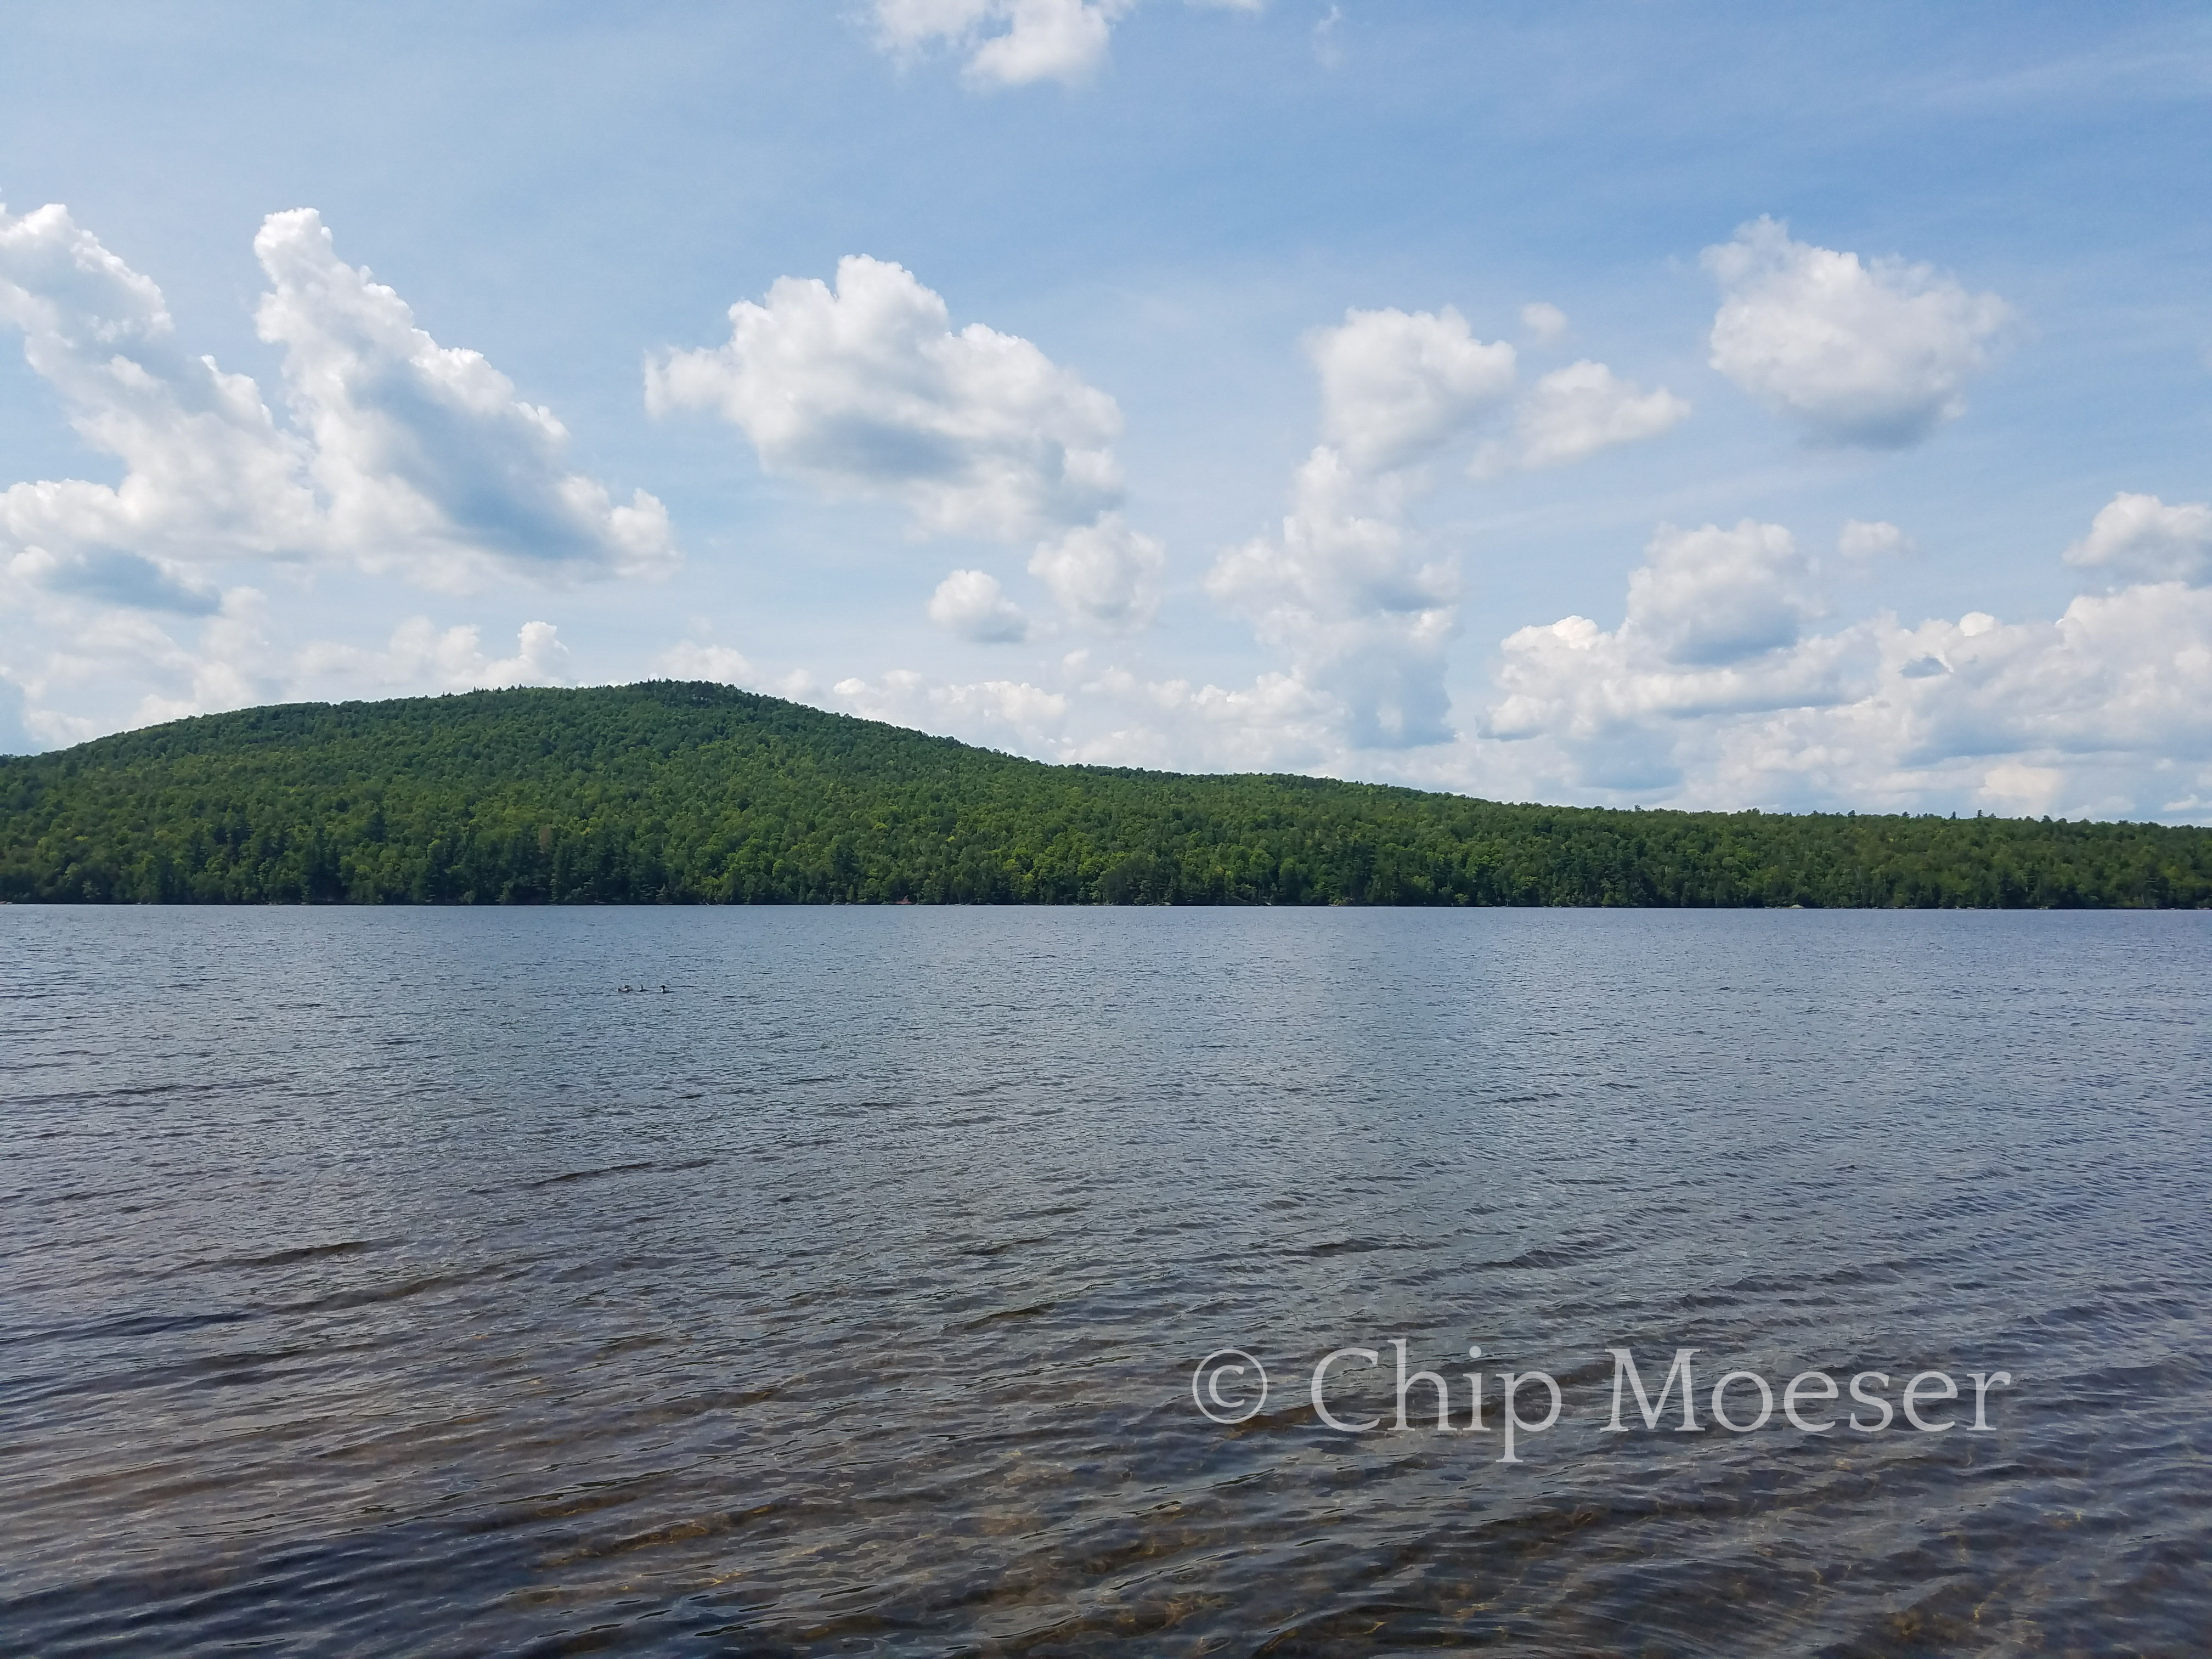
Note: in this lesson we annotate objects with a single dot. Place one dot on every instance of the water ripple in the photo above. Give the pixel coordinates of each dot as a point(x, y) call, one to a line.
point(385, 1282)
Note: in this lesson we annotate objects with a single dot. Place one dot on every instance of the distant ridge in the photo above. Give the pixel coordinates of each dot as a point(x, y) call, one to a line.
point(674, 793)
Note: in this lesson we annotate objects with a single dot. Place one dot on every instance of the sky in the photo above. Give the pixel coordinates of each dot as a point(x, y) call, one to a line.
point(1638, 404)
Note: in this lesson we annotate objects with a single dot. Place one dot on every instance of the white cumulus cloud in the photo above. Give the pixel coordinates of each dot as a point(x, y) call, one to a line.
point(1713, 626)
point(1279, 723)
point(206, 472)
point(539, 659)
point(867, 389)
point(75, 647)
point(114, 577)
point(1008, 42)
point(971, 604)
point(1873, 353)
point(405, 455)
point(1573, 412)
point(2141, 539)
point(1344, 590)
point(1104, 573)
point(1711, 596)
point(1347, 589)
point(1396, 385)
point(429, 460)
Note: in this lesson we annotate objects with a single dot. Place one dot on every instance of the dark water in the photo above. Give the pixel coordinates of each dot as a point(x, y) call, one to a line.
point(393, 1282)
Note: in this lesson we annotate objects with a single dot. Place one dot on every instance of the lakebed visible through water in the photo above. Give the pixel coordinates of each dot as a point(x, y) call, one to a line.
point(397, 1281)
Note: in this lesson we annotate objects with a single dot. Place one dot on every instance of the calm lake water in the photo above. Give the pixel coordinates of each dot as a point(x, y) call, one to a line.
point(393, 1281)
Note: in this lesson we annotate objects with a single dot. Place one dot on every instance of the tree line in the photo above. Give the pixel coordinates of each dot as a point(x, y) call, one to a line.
point(674, 793)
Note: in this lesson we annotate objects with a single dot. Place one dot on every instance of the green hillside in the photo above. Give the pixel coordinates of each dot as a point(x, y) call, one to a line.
point(682, 794)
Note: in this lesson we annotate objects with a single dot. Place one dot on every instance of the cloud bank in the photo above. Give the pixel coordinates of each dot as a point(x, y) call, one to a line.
point(1714, 689)
point(1722, 682)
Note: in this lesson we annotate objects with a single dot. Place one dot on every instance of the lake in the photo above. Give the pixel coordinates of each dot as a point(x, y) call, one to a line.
point(399, 1281)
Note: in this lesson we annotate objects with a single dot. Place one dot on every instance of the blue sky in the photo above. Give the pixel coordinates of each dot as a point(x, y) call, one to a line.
point(1641, 404)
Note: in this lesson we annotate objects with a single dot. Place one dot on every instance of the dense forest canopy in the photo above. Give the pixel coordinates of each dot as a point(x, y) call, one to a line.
point(670, 793)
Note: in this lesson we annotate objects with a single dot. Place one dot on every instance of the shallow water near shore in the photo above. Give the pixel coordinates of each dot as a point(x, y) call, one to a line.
point(395, 1281)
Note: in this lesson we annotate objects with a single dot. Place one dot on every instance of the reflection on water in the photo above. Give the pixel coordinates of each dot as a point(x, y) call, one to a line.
point(395, 1281)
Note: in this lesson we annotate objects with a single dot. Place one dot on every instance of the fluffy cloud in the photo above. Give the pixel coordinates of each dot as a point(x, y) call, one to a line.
point(866, 390)
point(2129, 672)
point(400, 455)
point(1713, 615)
point(971, 604)
point(1574, 412)
point(1874, 354)
point(700, 659)
point(1344, 590)
point(539, 659)
point(405, 455)
point(1347, 589)
point(1860, 541)
point(1397, 386)
point(1111, 716)
point(1011, 43)
point(429, 460)
point(1104, 573)
point(2141, 539)
point(1711, 596)
point(141, 662)
point(206, 472)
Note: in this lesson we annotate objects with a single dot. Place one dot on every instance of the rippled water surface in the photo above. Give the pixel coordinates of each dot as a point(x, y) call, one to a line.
point(385, 1282)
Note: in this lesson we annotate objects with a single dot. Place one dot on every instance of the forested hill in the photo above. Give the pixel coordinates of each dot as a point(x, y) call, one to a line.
point(669, 792)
